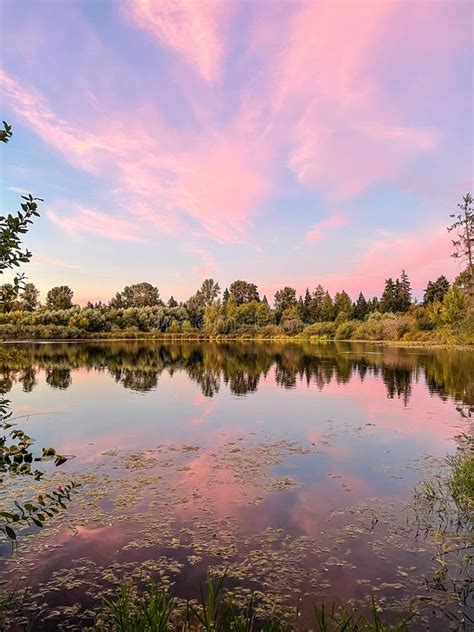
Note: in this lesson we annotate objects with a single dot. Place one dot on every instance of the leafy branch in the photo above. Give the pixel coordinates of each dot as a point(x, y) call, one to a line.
point(36, 512)
point(5, 133)
point(12, 229)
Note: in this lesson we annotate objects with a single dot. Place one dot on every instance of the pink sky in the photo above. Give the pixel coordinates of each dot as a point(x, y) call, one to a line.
point(287, 143)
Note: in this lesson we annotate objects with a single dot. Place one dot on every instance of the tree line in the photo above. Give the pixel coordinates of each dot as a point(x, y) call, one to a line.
point(238, 309)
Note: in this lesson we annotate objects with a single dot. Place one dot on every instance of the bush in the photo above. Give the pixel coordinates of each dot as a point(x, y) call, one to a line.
point(320, 330)
point(397, 327)
point(372, 329)
point(271, 331)
point(346, 330)
point(342, 317)
point(293, 326)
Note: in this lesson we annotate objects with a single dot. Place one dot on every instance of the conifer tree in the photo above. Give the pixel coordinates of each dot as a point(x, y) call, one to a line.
point(403, 294)
point(361, 307)
point(436, 290)
point(342, 303)
point(388, 297)
point(327, 307)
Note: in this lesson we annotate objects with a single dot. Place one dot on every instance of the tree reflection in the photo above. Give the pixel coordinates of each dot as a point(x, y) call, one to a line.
point(137, 365)
point(58, 377)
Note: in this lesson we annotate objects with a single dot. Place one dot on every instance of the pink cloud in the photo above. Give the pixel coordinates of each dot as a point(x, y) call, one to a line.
point(216, 179)
point(424, 254)
point(316, 100)
point(82, 148)
point(54, 262)
point(95, 223)
point(191, 29)
point(207, 265)
point(325, 97)
point(316, 232)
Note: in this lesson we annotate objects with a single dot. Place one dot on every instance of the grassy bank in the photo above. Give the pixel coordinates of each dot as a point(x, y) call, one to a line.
point(435, 323)
point(156, 611)
point(431, 343)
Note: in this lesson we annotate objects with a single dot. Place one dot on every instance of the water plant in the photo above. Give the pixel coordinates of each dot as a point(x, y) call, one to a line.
point(155, 611)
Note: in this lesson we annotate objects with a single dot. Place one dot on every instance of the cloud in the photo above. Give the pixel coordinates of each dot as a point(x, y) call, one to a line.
point(424, 254)
point(313, 92)
point(55, 262)
point(79, 146)
point(192, 29)
point(207, 265)
point(317, 231)
point(18, 190)
point(87, 221)
point(215, 179)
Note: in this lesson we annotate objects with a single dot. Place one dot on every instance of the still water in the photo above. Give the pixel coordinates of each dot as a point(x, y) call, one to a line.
point(291, 465)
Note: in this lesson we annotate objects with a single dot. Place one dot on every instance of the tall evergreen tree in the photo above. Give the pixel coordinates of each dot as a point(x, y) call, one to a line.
point(307, 307)
point(317, 304)
point(387, 302)
point(342, 303)
point(403, 293)
point(301, 309)
point(373, 305)
point(361, 307)
point(327, 308)
point(436, 290)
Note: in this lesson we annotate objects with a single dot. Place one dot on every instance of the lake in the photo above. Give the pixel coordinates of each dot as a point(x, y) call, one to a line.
point(292, 466)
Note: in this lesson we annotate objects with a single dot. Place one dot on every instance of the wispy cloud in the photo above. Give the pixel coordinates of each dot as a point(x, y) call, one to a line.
point(192, 29)
point(317, 230)
point(59, 263)
point(208, 263)
point(87, 221)
point(299, 93)
point(424, 253)
point(18, 190)
point(216, 179)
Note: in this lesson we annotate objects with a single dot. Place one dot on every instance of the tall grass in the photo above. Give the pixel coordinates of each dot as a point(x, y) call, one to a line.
point(156, 611)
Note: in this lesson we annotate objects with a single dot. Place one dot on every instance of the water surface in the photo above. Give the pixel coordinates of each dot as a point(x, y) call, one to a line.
point(291, 464)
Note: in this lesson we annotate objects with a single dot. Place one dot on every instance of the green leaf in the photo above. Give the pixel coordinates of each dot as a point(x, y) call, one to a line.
point(10, 533)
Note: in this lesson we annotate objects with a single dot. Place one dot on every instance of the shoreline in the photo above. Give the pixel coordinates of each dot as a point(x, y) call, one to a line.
point(174, 338)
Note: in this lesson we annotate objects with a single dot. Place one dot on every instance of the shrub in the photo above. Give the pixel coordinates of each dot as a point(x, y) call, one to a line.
point(342, 317)
point(320, 330)
point(372, 329)
point(292, 326)
point(271, 331)
point(395, 328)
point(346, 330)
point(454, 307)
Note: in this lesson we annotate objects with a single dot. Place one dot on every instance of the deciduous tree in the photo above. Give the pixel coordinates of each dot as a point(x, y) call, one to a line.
point(244, 292)
point(29, 297)
point(209, 291)
point(137, 295)
point(59, 297)
point(463, 227)
point(284, 299)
